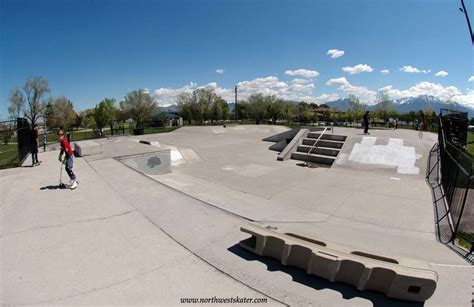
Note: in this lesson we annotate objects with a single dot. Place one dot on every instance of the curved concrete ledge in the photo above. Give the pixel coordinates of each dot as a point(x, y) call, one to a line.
point(396, 278)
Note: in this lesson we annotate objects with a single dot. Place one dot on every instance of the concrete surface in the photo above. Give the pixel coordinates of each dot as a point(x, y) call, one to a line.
point(126, 238)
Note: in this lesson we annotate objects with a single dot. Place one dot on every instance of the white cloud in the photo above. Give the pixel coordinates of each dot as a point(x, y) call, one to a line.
point(467, 99)
point(413, 70)
point(146, 91)
point(334, 53)
point(441, 73)
point(167, 96)
point(357, 69)
point(432, 89)
point(348, 88)
point(385, 72)
point(326, 97)
point(220, 71)
point(301, 81)
point(302, 72)
point(297, 90)
point(471, 79)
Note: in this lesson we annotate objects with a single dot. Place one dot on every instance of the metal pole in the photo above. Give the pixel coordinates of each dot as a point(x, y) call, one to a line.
point(468, 22)
point(235, 105)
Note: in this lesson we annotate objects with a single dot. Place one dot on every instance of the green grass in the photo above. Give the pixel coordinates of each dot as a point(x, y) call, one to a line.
point(465, 243)
point(470, 143)
point(152, 130)
point(8, 155)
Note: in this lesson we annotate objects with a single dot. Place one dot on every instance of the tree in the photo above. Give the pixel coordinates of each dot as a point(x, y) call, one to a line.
point(303, 112)
point(33, 91)
point(79, 121)
point(88, 118)
point(17, 103)
point(258, 107)
point(184, 102)
point(243, 110)
point(205, 100)
point(219, 109)
point(384, 107)
point(288, 111)
point(140, 106)
point(356, 109)
point(275, 107)
point(104, 113)
point(59, 112)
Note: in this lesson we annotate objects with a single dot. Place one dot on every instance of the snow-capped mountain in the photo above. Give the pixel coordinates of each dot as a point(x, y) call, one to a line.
point(408, 104)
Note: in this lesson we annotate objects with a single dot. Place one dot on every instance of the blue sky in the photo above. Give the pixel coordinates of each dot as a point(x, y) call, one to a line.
point(92, 49)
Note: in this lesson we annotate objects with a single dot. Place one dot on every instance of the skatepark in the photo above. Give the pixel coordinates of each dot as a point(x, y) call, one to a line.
point(157, 218)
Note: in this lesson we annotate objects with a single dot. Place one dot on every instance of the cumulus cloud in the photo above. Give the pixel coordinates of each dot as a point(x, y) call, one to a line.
point(348, 88)
point(432, 89)
point(167, 96)
point(357, 69)
point(301, 81)
point(471, 79)
point(385, 72)
point(302, 72)
point(413, 70)
point(441, 73)
point(334, 53)
point(296, 90)
point(220, 71)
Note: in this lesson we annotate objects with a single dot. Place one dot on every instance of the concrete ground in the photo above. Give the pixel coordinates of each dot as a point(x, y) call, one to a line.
point(124, 237)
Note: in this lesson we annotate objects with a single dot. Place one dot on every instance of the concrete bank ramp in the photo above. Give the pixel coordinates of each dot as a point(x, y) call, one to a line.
point(151, 163)
point(392, 155)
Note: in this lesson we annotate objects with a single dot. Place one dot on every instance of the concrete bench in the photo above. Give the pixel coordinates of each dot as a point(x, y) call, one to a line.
point(87, 148)
point(404, 279)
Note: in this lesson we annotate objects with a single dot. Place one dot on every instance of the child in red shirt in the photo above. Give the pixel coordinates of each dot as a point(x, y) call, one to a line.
point(68, 162)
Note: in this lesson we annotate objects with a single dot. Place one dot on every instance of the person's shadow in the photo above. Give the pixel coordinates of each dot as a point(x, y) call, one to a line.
point(53, 187)
point(300, 276)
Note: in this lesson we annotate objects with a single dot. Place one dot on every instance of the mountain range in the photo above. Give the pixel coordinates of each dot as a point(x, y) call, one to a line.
point(405, 105)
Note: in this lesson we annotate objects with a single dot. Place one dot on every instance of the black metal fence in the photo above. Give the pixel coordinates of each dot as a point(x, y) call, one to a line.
point(456, 177)
point(14, 142)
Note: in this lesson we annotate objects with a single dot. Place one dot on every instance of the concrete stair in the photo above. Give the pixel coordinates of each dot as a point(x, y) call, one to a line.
point(324, 152)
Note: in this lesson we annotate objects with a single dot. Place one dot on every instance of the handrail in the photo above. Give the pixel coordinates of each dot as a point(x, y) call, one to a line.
point(312, 147)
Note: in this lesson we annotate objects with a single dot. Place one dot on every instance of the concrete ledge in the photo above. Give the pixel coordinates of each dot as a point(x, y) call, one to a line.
point(87, 148)
point(293, 145)
point(396, 278)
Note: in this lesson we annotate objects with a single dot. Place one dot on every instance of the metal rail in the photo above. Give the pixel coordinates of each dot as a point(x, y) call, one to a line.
point(314, 145)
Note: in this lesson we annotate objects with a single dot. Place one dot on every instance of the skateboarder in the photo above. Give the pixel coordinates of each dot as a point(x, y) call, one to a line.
point(366, 123)
point(68, 162)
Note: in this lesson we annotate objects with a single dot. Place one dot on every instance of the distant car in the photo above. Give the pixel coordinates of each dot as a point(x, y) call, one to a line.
point(470, 128)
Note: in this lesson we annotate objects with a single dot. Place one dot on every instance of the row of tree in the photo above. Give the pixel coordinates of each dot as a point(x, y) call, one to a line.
point(204, 105)
point(201, 105)
point(31, 102)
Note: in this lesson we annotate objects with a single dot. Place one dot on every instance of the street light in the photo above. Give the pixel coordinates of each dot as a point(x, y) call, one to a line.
point(235, 105)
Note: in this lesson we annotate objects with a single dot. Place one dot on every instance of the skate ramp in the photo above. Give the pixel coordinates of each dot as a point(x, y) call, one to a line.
point(385, 155)
point(151, 163)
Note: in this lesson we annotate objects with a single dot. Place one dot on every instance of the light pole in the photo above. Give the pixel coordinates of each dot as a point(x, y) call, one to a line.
point(463, 9)
point(235, 105)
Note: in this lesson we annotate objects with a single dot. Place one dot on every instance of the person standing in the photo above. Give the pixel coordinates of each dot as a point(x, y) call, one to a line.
point(366, 123)
point(45, 139)
point(34, 144)
point(68, 161)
